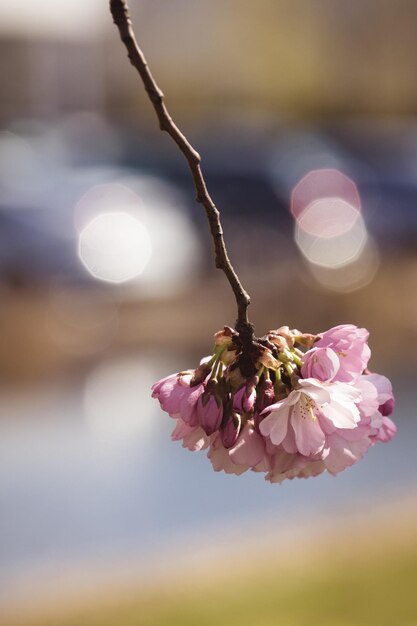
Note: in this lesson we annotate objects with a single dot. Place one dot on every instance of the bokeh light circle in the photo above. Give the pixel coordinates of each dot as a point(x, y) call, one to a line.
point(335, 251)
point(114, 247)
point(353, 276)
point(328, 217)
point(323, 183)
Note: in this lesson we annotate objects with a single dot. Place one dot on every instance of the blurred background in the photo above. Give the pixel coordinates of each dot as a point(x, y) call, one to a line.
point(305, 114)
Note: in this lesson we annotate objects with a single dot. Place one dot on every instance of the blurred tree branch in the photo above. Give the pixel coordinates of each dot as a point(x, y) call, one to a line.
point(121, 18)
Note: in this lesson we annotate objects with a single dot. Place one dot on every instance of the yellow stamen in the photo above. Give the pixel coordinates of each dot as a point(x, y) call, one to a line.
point(310, 405)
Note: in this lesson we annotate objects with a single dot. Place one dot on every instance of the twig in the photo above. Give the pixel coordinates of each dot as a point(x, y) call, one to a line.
point(120, 13)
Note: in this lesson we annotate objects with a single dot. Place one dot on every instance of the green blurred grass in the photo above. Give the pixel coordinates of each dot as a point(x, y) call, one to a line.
point(362, 586)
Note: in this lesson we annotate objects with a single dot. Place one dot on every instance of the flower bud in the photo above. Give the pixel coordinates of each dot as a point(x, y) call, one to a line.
point(284, 357)
point(320, 363)
point(200, 373)
point(244, 398)
point(228, 357)
point(388, 407)
point(266, 358)
point(209, 414)
point(266, 395)
point(231, 431)
point(283, 332)
point(235, 378)
point(224, 337)
point(281, 390)
point(278, 341)
point(306, 340)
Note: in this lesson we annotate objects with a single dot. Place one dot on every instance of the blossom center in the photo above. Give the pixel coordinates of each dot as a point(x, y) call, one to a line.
point(308, 407)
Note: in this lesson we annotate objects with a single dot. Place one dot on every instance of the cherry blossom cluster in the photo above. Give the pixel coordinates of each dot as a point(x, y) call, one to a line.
point(309, 404)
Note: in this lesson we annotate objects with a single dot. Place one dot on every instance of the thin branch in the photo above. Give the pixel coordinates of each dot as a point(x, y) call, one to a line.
point(120, 13)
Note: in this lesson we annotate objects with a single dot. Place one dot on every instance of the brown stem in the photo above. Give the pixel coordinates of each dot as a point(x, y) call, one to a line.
point(120, 13)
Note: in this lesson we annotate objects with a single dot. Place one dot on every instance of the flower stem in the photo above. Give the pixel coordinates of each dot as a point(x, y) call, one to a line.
point(121, 18)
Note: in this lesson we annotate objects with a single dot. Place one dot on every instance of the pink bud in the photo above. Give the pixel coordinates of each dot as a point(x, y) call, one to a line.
point(231, 431)
point(209, 413)
point(320, 363)
point(350, 345)
point(245, 397)
point(266, 395)
point(388, 407)
point(188, 405)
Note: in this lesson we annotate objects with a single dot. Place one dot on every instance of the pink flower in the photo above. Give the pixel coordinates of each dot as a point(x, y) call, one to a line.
point(371, 418)
point(343, 448)
point(386, 402)
point(248, 452)
point(279, 423)
point(350, 345)
point(220, 458)
point(320, 363)
point(193, 437)
point(177, 398)
point(383, 386)
point(169, 393)
point(306, 410)
point(387, 431)
point(285, 465)
point(249, 448)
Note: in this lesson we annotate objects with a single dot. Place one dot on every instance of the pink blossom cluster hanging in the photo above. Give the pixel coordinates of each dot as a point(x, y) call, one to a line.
point(310, 405)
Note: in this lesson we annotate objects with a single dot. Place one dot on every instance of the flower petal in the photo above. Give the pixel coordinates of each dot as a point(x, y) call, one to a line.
point(249, 448)
point(275, 424)
point(309, 436)
point(316, 390)
point(342, 415)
